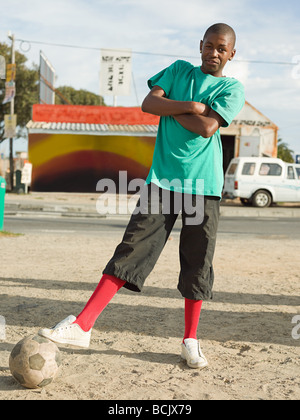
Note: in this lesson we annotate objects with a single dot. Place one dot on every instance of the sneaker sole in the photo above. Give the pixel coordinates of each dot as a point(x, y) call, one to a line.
point(194, 366)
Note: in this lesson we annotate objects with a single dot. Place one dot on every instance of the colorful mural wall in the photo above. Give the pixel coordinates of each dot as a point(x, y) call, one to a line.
point(76, 162)
point(68, 156)
point(74, 159)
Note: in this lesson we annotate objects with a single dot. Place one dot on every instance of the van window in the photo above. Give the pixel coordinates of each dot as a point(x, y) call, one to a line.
point(232, 169)
point(270, 169)
point(290, 172)
point(298, 173)
point(248, 168)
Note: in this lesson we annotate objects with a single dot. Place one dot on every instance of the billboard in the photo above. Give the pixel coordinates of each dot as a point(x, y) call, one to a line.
point(115, 72)
point(47, 79)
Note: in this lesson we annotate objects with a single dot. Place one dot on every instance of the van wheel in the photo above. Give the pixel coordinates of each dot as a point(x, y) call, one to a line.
point(262, 199)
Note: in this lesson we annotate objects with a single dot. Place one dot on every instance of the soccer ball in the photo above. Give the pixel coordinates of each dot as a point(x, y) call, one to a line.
point(34, 362)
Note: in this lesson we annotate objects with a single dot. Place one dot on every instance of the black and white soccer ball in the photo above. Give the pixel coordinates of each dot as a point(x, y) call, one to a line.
point(34, 362)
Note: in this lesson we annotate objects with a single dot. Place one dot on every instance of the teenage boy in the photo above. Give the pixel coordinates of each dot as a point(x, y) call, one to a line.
point(193, 103)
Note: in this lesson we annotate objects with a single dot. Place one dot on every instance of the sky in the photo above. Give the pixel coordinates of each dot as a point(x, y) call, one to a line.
point(159, 32)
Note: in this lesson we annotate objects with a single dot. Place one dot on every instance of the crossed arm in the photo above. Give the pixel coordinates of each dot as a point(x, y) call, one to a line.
point(193, 116)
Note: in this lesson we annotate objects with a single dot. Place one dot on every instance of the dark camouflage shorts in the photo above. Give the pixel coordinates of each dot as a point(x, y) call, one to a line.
point(149, 229)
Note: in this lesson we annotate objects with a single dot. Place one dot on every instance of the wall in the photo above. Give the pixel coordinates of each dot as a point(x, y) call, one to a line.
point(75, 163)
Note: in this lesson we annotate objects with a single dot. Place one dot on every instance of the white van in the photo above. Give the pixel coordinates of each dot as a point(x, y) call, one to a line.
point(262, 181)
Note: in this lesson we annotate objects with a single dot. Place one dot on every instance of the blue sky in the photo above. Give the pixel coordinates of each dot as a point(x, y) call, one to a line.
point(266, 31)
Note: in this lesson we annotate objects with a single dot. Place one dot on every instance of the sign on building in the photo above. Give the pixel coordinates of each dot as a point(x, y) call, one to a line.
point(115, 72)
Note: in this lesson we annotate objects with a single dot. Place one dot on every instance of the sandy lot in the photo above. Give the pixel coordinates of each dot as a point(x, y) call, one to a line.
point(246, 331)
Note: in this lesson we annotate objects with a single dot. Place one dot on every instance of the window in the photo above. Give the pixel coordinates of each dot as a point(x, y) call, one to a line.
point(298, 173)
point(270, 169)
point(232, 169)
point(290, 172)
point(248, 169)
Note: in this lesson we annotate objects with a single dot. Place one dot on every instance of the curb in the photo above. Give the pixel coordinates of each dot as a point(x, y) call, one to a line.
point(57, 210)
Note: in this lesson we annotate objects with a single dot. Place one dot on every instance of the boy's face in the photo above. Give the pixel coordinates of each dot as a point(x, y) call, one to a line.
point(216, 49)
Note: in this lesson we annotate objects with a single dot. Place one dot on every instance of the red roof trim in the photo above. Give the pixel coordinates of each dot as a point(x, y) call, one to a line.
point(92, 115)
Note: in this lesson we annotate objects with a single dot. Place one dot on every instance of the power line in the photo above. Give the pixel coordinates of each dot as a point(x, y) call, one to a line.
point(143, 52)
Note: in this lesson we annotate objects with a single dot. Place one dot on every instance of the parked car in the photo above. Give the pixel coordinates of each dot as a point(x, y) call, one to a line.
point(262, 181)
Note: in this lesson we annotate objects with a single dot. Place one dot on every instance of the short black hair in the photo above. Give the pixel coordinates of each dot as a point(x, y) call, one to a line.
point(223, 29)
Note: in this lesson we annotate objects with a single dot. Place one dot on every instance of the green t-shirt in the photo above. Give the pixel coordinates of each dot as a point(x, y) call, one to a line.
point(184, 161)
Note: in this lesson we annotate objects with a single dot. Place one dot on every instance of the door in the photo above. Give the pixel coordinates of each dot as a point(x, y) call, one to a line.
point(249, 146)
point(228, 144)
point(290, 190)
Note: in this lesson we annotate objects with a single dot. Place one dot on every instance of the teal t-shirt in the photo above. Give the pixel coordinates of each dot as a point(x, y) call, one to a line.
point(184, 161)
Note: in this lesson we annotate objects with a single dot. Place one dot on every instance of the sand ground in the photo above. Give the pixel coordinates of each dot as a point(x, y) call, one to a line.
point(246, 331)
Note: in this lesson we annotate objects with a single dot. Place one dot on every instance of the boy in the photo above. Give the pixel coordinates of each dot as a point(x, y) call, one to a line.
point(193, 103)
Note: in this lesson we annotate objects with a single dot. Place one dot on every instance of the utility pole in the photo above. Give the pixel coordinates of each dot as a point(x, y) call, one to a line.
point(12, 111)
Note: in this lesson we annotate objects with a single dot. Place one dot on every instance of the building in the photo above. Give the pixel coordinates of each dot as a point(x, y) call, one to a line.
point(250, 134)
point(72, 147)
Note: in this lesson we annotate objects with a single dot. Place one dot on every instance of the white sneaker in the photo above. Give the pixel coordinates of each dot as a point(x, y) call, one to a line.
point(65, 332)
point(191, 352)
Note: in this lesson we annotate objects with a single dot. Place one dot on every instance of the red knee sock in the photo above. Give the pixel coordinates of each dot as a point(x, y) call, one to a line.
point(105, 291)
point(192, 316)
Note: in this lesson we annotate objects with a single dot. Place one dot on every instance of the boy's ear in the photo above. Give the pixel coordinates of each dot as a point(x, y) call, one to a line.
point(201, 46)
point(232, 54)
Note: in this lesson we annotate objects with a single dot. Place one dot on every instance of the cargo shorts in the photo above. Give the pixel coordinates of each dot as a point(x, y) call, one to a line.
point(148, 231)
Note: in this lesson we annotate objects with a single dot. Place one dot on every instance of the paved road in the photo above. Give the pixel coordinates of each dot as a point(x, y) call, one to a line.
point(236, 226)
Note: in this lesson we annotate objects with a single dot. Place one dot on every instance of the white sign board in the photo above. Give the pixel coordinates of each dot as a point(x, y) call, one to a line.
point(115, 73)
point(26, 174)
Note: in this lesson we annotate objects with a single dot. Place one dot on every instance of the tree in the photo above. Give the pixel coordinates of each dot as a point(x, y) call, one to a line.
point(26, 90)
point(77, 97)
point(284, 152)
